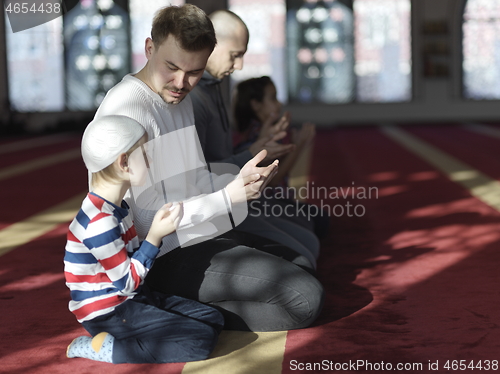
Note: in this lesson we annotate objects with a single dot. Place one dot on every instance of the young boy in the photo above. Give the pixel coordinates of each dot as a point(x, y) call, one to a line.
point(105, 264)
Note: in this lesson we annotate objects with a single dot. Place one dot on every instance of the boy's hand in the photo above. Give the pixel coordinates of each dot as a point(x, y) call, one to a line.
point(165, 222)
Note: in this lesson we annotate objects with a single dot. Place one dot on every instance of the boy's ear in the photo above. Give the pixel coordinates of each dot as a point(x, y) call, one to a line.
point(123, 162)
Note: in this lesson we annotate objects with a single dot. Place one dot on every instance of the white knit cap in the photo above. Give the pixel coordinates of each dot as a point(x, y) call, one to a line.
point(106, 138)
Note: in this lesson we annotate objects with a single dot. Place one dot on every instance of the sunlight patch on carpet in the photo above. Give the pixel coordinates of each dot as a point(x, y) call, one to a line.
point(31, 228)
point(32, 282)
point(42, 162)
point(480, 185)
point(243, 352)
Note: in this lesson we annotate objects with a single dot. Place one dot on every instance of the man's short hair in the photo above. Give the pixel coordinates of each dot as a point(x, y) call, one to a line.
point(190, 26)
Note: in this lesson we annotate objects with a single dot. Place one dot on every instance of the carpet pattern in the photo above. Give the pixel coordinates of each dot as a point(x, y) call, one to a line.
point(409, 266)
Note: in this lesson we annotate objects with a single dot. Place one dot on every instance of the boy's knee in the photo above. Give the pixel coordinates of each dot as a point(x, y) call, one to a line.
point(216, 320)
point(204, 343)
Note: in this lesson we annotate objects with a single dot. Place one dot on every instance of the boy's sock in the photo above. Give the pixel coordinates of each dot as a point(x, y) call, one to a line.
point(99, 348)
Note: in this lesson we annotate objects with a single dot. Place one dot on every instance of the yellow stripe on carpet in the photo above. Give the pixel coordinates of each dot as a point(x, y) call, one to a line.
point(483, 129)
point(480, 185)
point(28, 166)
point(36, 142)
point(31, 228)
point(241, 352)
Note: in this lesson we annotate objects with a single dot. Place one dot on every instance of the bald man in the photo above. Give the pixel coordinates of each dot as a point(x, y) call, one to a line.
point(214, 132)
point(211, 116)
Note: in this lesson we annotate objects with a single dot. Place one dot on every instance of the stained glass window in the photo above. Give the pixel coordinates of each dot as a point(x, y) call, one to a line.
point(382, 50)
point(320, 51)
point(35, 67)
point(314, 50)
point(334, 53)
point(265, 20)
point(481, 49)
point(71, 61)
point(96, 50)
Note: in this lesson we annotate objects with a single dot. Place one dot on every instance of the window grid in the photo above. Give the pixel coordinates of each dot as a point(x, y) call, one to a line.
point(481, 50)
point(335, 54)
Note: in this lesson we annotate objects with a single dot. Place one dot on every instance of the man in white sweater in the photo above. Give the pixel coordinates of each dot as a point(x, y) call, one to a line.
point(264, 289)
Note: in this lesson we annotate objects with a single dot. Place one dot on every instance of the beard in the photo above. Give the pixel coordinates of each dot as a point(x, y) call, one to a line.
point(171, 99)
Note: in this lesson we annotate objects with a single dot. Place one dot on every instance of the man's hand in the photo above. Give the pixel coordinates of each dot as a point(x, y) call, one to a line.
point(273, 149)
point(243, 189)
point(273, 125)
point(251, 180)
point(268, 175)
point(271, 133)
point(305, 135)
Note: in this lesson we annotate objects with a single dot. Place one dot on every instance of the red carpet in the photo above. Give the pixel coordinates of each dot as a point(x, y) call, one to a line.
point(481, 151)
point(412, 281)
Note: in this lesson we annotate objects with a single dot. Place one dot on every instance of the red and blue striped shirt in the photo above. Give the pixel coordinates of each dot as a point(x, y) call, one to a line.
point(104, 264)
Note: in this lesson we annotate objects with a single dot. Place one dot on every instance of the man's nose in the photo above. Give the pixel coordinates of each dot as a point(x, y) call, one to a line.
point(179, 80)
point(238, 63)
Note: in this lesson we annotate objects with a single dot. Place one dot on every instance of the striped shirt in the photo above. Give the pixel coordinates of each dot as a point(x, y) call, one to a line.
point(104, 263)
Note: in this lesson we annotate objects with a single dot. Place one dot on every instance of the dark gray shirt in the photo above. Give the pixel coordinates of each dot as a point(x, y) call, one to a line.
point(212, 123)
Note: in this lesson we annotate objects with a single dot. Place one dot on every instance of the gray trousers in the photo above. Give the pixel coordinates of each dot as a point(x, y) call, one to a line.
point(280, 230)
point(266, 289)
